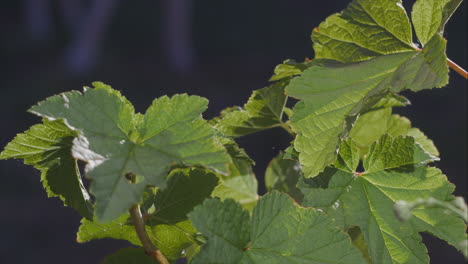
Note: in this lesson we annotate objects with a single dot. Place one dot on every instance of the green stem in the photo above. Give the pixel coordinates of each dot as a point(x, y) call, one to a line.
point(149, 247)
point(288, 129)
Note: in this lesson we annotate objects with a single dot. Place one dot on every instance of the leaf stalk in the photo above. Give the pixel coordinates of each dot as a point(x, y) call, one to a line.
point(150, 248)
point(288, 129)
point(457, 68)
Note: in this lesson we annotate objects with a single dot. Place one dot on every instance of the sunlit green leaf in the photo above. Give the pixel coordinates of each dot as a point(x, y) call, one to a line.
point(47, 147)
point(115, 142)
point(393, 172)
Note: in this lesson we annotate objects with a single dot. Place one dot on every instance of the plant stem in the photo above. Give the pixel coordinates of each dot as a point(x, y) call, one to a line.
point(288, 129)
point(457, 68)
point(149, 247)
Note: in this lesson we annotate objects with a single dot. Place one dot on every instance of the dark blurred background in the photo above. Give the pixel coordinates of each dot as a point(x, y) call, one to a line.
point(221, 50)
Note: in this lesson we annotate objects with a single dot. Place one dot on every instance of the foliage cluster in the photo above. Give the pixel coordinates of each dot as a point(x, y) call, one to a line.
point(355, 186)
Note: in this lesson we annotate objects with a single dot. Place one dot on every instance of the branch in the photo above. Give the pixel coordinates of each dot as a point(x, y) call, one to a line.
point(457, 68)
point(150, 248)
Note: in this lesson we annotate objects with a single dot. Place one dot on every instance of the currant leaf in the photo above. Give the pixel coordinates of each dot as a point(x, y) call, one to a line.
point(279, 231)
point(115, 142)
point(48, 147)
point(263, 110)
point(394, 171)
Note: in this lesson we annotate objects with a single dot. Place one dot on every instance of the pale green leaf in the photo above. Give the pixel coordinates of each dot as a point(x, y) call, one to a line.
point(391, 100)
point(288, 68)
point(423, 140)
point(365, 29)
point(115, 142)
point(457, 206)
point(170, 239)
point(279, 231)
point(240, 184)
point(129, 255)
point(366, 200)
point(348, 158)
point(282, 175)
point(388, 153)
point(47, 147)
point(333, 95)
point(263, 110)
point(448, 11)
point(373, 124)
point(430, 16)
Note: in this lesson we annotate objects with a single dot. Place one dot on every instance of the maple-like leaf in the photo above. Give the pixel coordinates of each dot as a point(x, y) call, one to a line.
point(279, 231)
point(116, 143)
point(48, 147)
point(394, 170)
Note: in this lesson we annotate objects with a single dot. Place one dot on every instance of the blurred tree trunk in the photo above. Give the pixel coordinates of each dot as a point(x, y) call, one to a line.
point(177, 34)
point(81, 55)
point(38, 19)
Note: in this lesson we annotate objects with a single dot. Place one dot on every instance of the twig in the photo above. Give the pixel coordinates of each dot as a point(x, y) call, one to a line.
point(457, 68)
point(150, 248)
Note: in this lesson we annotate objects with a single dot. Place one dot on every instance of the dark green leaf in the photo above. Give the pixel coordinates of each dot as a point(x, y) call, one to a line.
point(185, 189)
point(282, 175)
point(263, 110)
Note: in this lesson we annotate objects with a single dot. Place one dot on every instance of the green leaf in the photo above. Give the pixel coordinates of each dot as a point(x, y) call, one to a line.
point(185, 189)
point(366, 200)
point(358, 241)
point(282, 175)
point(167, 224)
point(348, 158)
point(333, 95)
point(119, 228)
point(47, 147)
point(288, 68)
point(457, 206)
point(115, 142)
point(374, 124)
point(389, 153)
point(290, 153)
point(263, 110)
point(364, 30)
point(129, 255)
point(424, 141)
point(279, 231)
point(170, 239)
point(430, 16)
point(391, 100)
point(240, 184)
